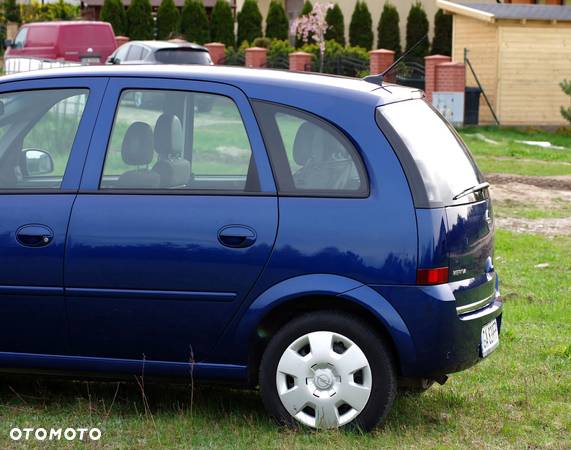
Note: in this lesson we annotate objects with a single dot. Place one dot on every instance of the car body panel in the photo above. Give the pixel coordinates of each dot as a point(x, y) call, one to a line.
point(69, 41)
point(154, 261)
point(247, 330)
point(31, 282)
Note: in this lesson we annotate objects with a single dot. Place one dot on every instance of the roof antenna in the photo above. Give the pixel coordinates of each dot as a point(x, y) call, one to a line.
point(378, 78)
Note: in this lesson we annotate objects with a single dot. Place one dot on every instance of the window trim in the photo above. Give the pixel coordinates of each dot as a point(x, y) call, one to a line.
point(252, 165)
point(269, 131)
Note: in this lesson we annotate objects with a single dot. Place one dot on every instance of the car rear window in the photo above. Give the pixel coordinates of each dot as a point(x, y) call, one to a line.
point(182, 56)
point(445, 164)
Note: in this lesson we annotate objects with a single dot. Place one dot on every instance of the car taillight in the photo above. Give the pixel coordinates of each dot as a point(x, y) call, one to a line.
point(438, 275)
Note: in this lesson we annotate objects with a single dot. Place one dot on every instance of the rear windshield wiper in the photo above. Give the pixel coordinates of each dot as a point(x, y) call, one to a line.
point(471, 190)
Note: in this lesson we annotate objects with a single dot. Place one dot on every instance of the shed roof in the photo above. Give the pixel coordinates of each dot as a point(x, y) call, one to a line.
point(491, 12)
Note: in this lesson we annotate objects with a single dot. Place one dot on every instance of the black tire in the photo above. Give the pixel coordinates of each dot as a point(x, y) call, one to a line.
point(376, 350)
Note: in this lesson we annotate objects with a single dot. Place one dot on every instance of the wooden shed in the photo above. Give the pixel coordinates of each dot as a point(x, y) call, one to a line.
point(520, 53)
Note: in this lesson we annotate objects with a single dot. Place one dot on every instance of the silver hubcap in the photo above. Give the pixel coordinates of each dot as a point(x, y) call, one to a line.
point(324, 379)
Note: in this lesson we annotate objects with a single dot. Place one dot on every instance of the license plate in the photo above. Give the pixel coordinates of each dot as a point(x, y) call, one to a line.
point(490, 338)
point(90, 60)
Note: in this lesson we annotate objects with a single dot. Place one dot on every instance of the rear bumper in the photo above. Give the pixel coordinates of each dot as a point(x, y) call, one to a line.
point(445, 341)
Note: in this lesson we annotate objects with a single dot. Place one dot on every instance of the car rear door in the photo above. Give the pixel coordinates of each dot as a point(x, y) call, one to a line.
point(174, 222)
point(45, 127)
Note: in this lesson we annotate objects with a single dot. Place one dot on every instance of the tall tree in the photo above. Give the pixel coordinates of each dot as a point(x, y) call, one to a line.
point(12, 11)
point(222, 24)
point(442, 41)
point(388, 30)
point(417, 29)
point(307, 8)
point(167, 19)
point(140, 20)
point(249, 22)
point(113, 12)
point(361, 27)
point(277, 25)
point(194, 22)
point(336, 22)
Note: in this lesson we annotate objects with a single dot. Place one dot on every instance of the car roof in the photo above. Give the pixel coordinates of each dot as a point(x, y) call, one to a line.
point(263, 84)
point(64, 23)
point(159, 45)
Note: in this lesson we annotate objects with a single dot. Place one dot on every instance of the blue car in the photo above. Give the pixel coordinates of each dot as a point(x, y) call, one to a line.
point(323, 238)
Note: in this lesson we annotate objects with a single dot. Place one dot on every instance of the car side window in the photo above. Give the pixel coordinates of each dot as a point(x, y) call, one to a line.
point(309, 156)
point(135, 53)
point(121, 54)
point(144, 53)
point(179, 140)
point(37, 132)
point(20, 39)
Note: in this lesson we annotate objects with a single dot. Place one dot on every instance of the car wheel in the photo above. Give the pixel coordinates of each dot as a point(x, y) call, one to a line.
point(328, 370)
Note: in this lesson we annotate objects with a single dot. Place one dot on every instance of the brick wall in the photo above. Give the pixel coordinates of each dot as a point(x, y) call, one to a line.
point(430, 63)
point(300, 61)
point(217, 52)
point(450, 77)
point(256, 57)
point(380, 60)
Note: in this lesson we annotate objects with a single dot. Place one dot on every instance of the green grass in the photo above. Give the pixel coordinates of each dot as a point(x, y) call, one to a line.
point(490, 164)
point(510, 156)
point(520, 397)
point(509, 147)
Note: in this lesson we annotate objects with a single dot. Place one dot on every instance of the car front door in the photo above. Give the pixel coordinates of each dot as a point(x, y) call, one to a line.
point(45, 127)
point(174, 222)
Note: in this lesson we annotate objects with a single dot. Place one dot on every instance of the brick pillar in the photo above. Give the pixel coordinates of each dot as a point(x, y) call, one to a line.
point(120, 40)
point(380, 60)
point(217, 52)
point(256, 57)
point(430, 63)
point(300, 61)
point(450, 77)
point(553, 2)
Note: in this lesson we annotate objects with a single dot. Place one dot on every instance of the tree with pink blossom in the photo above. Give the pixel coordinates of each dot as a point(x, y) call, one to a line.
point(314, 25)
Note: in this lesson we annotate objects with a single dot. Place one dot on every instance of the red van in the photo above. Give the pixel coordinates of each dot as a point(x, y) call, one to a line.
point(76, 41)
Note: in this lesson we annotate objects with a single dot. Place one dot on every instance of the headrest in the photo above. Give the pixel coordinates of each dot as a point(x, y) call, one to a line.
point(168, 135)
point(303, 143)
point(137, 147)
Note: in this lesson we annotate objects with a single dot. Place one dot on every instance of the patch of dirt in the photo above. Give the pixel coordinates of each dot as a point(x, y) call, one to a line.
point(562, 182)
point(548, 227)
point(529, 195)
point(544, 193)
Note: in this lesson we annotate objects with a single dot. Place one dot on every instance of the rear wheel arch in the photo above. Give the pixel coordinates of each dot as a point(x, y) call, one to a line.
point(274, 319)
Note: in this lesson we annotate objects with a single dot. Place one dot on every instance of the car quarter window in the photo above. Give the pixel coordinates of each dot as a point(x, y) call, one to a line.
point(37, 132)
point(144, 53)
point(121, 53)
point(309, 156)
point(179, 140)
